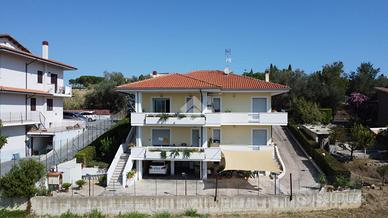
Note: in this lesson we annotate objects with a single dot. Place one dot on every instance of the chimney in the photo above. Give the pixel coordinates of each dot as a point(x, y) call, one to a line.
point(45, 49)
point(154, 74)
point(267, 76)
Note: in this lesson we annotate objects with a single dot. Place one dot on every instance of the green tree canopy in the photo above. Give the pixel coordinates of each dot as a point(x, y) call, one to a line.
point(364, 79)
point(85, 81)
point(305, 111)
point(361, 137)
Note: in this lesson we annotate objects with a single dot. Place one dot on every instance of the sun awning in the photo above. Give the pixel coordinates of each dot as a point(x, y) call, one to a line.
point(256, 160)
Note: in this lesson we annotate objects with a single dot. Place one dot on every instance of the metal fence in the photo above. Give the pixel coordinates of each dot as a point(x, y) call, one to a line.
point(65, 149)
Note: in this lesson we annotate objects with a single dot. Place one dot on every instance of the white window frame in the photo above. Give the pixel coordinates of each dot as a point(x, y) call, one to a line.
point(169, 140)
point(267, 101)
point(220, 103)
point(152, 103)
point(266, 139)
point(192, 98)
point(191, 137)
point(213, 135)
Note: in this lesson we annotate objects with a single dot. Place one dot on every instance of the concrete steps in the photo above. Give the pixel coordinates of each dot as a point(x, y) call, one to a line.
point(116, 180)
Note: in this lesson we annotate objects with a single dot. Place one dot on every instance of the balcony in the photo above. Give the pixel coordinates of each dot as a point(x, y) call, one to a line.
point(19, 118)
point(60, 91)
point(168, 119)
point(176, 153)
point(273, 118)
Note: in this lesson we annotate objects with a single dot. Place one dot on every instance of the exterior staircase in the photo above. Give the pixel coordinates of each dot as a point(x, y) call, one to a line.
point(116, 180)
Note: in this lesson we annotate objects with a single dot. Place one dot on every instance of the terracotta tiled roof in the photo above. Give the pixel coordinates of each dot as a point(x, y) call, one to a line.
point(233, 81)
point(20, 90)
point(19, 52)
point(207, 79)
point(169, 81)
point(14, 41)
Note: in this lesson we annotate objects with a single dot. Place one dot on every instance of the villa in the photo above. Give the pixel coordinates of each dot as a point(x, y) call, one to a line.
point(32, 91)
point(194, 123)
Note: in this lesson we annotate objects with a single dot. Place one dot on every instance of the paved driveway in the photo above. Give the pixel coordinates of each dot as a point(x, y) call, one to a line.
point(304, 174)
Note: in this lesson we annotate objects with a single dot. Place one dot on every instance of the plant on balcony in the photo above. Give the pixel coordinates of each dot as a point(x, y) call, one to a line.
point(210, 142)
point(180, 116)
point(228, 111)
point(174, 153)
point(186, 153)
point(163, 154)
point(163, 117)
point(66, 186)
point(130, 174)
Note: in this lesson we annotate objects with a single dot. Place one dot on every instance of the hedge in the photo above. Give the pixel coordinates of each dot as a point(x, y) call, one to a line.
point(118, 133)
point(86, 155)
point(327, 163)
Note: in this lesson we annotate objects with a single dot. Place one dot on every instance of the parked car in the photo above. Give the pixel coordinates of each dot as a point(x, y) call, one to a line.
point(73, 116)
point(90, 115)
point(158, 167)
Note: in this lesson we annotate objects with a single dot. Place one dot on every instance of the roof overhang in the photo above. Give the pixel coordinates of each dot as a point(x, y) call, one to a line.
point(11, 90)
point(129, 91)
point(36, 58)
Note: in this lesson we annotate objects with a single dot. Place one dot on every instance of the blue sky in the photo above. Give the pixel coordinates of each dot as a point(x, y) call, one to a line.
point(178, 36)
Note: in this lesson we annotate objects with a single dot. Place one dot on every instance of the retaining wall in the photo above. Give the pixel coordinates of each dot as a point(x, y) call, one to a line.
point(203, 204)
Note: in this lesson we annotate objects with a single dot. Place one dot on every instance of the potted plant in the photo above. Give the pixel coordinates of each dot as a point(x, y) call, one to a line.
point(163, 154)
point(66, 186)
point(80, 183)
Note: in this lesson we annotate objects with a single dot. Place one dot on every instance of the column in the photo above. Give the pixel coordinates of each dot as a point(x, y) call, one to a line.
point(139, 169)
point(138, 136)
point(204, 170)
point(172, 168)
point(204, 137)
point(204, 102)
point(140, 102)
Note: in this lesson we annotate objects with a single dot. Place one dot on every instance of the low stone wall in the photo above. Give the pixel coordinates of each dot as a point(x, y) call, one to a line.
point(203, 204)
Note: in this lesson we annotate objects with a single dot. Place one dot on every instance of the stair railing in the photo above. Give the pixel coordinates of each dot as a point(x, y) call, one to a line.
point(113, 165)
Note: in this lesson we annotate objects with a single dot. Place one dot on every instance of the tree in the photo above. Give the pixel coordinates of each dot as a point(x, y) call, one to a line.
point(382, 171)
point(21, 180)
point(361, 137)
point(85, 81)
point(339, 134)
point(305, 112)
point(3, 141)
point(364, 79)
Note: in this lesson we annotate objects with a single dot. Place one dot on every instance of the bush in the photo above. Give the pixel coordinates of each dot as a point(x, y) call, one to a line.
point(99, 164)
point(191, 213)
point(341, 181)
point(13, 213)
point(66, 186)
point(80, 183)
point(102, 180)
point(130, 174)
point(327, 163)
point(86, 155)
point(327, 115)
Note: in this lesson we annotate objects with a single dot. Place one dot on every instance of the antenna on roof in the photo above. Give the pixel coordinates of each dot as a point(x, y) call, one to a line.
point(228, 60)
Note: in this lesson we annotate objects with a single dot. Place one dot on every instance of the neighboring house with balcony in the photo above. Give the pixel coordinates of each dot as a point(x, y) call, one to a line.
point(32, 91)
point(194, 120)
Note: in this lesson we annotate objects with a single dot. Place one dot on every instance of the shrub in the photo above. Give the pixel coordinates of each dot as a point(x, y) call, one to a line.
point(66, 186)
point(327, 115)
point(131, 174)
point(163, 154)
point(102, 180)
point(85, 155)
point(191, 213)
point(99, 164)
point(13, 213)
point(341, 181)
point(327, 163)
point(80, 183)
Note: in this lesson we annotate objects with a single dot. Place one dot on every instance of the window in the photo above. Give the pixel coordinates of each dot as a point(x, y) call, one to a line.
point(216, 136)
point(161, 105)
point(33, 104)
point(217, 104)
point(259, 137)
point(189, 105)
point(40, 76)
point(49, 104)
point(160, 137)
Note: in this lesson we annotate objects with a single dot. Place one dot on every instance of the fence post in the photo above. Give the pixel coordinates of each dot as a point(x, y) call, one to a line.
point(290, 186)
point(275, 183)
point(258, 184)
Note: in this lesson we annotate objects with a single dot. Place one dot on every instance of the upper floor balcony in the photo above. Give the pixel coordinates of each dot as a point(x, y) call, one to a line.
point(208, 119)
point(20, 118)
point(60, 91)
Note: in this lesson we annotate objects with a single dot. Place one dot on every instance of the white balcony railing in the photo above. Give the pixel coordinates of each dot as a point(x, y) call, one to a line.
point(176, 153)
point(273, 118)
point(139, 119)
point(209, 119)
point(60, 90)
point(19, 117)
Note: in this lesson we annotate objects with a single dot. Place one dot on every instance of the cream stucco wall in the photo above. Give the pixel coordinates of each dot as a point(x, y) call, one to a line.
point(178, 135)
point(177, 101)
point(241, 102)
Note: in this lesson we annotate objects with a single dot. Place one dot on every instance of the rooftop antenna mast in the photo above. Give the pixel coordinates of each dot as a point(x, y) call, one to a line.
point(228, 60)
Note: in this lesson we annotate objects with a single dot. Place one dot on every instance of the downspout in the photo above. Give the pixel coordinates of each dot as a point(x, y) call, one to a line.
point(26, 103)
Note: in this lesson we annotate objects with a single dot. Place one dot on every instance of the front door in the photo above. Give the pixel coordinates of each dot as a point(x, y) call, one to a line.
point(195, 138)
point(259, 137)
point(259, 105)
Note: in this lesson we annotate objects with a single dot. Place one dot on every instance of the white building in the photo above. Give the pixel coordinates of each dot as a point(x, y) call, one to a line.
point(32, 91)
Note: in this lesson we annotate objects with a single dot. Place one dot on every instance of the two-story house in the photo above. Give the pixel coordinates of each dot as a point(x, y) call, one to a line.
point(32, 91)
point(193, 121)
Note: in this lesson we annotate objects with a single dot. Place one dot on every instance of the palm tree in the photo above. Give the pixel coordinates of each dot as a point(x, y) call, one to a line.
point(3, 141)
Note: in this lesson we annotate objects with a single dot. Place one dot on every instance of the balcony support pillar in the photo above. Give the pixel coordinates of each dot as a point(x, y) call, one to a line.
point(204, 137)
point(138, 136)
point(138, 100)
point(172, 168)
point(203, 170)
point(139, 169)
point(204, 102)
